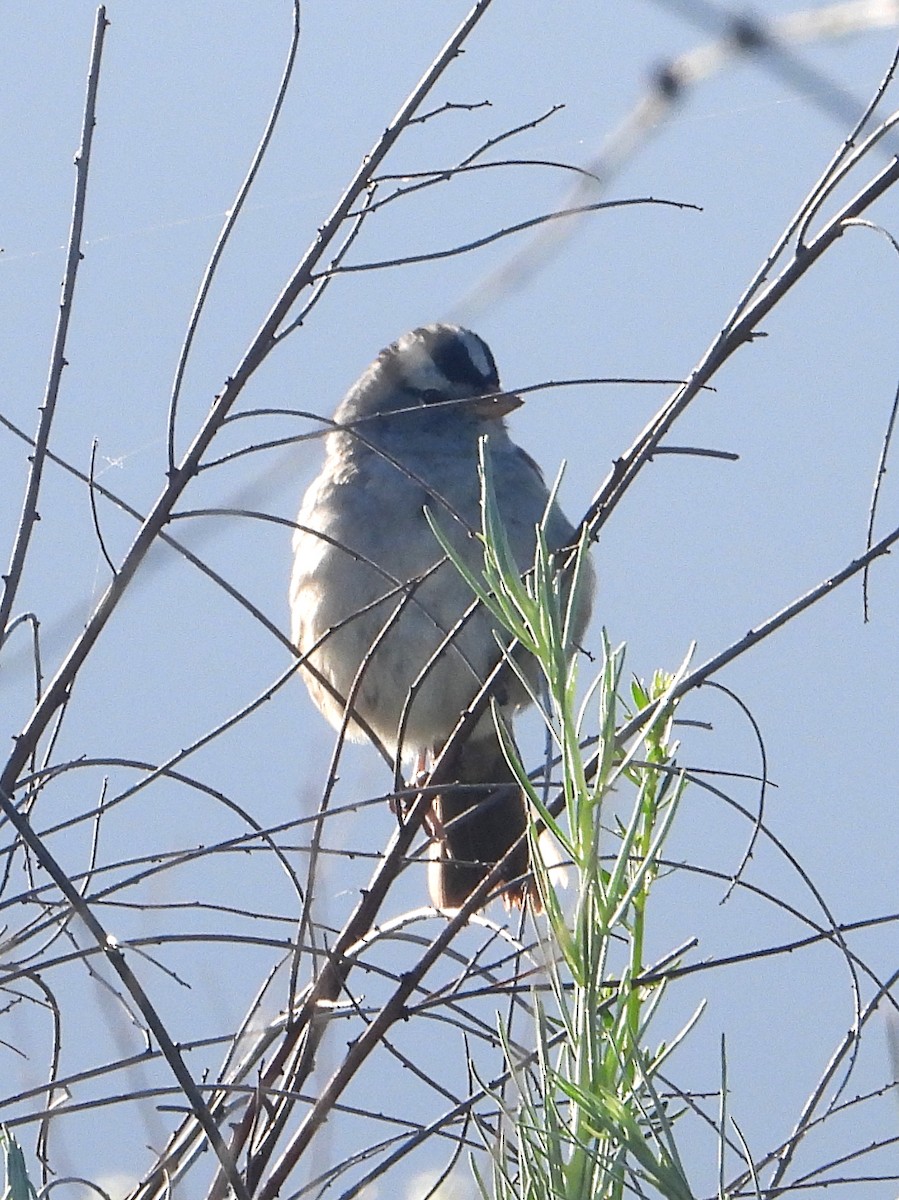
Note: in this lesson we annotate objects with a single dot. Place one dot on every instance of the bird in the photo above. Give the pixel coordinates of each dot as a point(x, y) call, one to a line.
point(395, 646)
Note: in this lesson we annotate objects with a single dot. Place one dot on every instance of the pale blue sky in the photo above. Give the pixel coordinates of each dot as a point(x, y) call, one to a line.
point(700, 550)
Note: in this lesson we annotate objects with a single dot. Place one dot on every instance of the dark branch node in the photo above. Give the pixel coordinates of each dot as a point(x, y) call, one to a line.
point(748, 34)
point(667, 81)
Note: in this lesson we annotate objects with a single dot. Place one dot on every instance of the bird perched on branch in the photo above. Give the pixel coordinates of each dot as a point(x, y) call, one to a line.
point(387, 623)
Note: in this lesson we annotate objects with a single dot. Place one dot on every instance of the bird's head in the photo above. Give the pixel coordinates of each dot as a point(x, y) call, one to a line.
point(443, 369)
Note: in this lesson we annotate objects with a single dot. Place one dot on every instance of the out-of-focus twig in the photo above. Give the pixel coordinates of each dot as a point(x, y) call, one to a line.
point(768, 43)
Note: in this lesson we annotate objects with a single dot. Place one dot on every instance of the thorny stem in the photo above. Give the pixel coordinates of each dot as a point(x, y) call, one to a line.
point(30, 515)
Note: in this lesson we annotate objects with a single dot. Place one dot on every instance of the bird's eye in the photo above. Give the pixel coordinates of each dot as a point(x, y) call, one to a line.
point(465, 360)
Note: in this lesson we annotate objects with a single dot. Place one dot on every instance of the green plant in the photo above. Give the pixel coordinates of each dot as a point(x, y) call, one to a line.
point(16, 1184)
point(586, 1117)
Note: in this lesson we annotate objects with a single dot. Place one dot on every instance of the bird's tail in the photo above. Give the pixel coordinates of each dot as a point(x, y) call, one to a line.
point(474, 824)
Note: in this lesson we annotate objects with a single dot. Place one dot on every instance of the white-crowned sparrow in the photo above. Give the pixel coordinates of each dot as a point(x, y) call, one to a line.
point(373, 597)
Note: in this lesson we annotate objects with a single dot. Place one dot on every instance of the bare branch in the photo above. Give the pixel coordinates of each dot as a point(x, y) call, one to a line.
point(227, 229)
point(30, 515)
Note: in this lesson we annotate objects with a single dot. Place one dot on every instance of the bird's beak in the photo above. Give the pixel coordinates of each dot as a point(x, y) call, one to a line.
point(491, 408)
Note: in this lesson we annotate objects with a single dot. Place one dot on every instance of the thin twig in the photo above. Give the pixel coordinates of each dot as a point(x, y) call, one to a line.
point(758, 634)
point(116, 959)
point(881, 469)
point(91, 491)
point(739, 330)
point(668, 89)
point(230, 221)
point(437, 175)
point(450, 106)
point(74, 255)
point(498, 234)
point(259, 349)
